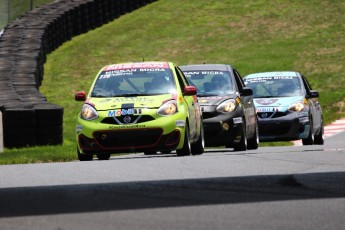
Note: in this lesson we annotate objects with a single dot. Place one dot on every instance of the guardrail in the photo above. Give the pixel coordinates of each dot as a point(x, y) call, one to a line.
point(28, 119)
point(12, 9)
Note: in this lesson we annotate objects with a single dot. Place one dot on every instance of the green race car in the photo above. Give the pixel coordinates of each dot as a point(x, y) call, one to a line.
point(139, 107)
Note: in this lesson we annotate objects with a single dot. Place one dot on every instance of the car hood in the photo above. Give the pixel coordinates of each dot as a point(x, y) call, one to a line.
point(278, 103)
point(213, 100)
point(153, 101)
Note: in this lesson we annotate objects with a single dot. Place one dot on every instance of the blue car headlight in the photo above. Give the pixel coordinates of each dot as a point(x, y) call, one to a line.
point(227, 106)
point(88, 112)
point(297, 107)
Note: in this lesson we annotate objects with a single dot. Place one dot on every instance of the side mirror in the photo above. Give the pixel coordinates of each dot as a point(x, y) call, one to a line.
point(189, 90)
point(80, 96)
point(313, 94)
point(246, 91)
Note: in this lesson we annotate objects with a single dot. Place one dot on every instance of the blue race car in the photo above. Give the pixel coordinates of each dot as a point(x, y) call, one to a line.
point(287, 107)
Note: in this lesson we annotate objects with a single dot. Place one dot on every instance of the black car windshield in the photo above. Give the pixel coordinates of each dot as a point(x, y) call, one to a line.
point(274, 86)
point(134, 82)
point(211, 83)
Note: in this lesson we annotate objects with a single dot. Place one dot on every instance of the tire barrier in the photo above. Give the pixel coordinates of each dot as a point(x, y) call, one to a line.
point(28, 119)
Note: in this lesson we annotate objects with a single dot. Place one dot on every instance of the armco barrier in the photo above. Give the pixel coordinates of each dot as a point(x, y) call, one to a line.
point(28, 119)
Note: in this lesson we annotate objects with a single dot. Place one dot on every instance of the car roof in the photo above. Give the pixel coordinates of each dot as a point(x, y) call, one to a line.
point(274, 74)
point(219, 67)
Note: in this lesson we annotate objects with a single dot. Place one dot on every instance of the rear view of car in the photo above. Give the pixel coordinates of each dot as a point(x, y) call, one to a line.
point(227, 106)
point(287, 107)
point(139, 107)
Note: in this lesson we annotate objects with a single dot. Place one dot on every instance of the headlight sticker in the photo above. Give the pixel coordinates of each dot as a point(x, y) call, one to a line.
point(180, 123)
point(79, 128)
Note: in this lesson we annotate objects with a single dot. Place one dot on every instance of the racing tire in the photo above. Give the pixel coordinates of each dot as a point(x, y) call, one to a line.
point(103, 156)
point(84, 157)
point(198, 147)
point(310, 139)
point(242, 145)
point(186, 149)
point(253, 143)
point(318, 138)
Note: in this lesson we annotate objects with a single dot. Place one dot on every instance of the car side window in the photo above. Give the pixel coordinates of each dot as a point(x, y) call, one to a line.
point(239, 80)
point(306, 84)
point(181, 78)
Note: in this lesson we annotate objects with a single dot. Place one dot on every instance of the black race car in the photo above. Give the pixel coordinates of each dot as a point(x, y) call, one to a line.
point(229, 116)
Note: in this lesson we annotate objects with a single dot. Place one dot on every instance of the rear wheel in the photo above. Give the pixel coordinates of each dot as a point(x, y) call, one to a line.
point(84, 157)
point(199, 146)
point(186, 149)
point(242, 144)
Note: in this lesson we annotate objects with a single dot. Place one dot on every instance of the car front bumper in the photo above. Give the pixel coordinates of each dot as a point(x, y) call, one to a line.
point(222, 130)
point(293, 126)
point(165, 133)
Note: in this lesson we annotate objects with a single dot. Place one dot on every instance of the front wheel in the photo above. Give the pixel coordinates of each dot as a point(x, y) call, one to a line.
point(253, 142)
point(318, 138)
point(310, 139)
point(186, 149)
point(242, 144)
point(84, 157)
point(199, 146)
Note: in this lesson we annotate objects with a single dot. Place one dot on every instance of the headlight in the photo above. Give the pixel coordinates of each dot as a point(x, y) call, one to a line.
point(227, 106)
point(88, 112)
point(168, 108)
point(297, 107)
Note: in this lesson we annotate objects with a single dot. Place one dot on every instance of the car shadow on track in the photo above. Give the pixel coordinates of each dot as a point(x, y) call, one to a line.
point(169, 193)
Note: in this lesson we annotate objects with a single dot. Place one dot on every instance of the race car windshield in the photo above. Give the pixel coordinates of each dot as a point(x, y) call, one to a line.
point(134, 82)
point(276, 86)
point(211, 83)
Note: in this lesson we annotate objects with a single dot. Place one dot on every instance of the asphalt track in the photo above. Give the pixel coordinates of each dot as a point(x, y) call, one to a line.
point(298, 187)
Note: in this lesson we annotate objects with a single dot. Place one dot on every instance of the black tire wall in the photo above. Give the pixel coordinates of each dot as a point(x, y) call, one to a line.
point(28, 119)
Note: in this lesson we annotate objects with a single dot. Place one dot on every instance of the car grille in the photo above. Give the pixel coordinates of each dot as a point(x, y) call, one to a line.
point(266, 115)
point(281, 130)
point(207, 115)
point(128, 138)
point(142, 118)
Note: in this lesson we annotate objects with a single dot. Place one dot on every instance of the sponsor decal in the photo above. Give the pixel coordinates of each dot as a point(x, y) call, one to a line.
point(132, 99)
point(180, 123)
point(149, 65)
point(135, 126)
point(266, 101)
point(79, 128)
point(124, 112)
point(266, 109)
point(237, 120)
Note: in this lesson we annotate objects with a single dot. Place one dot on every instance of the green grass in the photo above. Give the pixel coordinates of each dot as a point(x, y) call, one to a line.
point(252, 35)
